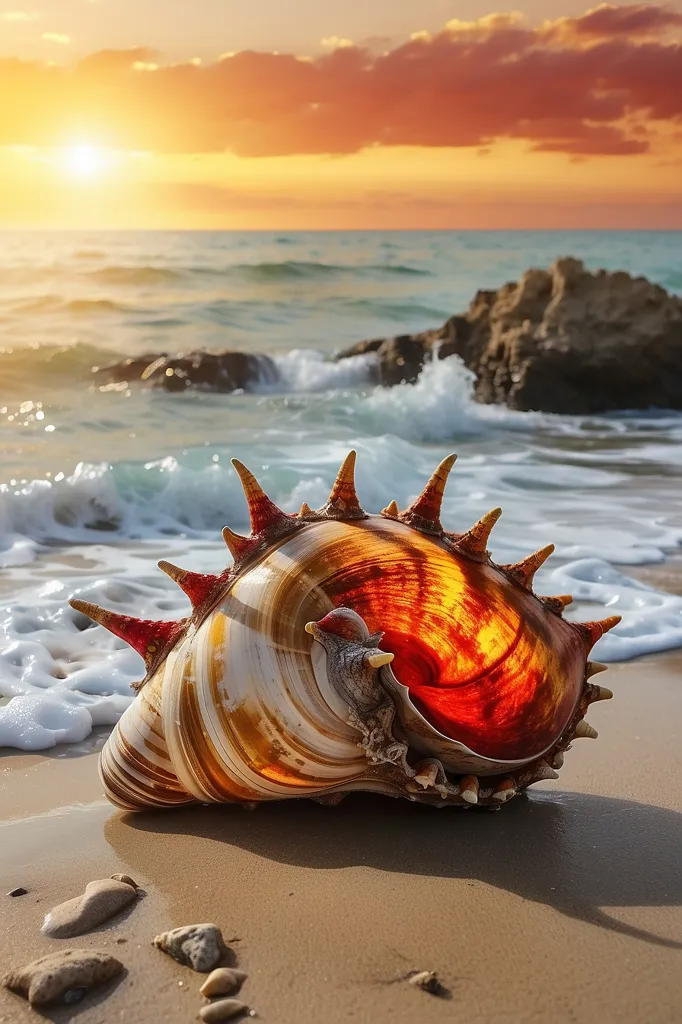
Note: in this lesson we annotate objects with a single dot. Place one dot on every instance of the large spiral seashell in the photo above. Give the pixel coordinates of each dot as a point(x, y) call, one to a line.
point(346, 651)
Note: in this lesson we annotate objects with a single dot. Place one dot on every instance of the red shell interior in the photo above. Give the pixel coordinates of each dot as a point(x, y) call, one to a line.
point(485, 662)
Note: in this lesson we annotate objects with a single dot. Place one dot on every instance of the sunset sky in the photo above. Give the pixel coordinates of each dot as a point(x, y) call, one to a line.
point(345, 114)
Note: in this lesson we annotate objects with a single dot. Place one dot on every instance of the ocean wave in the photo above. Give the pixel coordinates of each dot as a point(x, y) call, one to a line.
point(135, 275)
point(56, 303)
point(51, 364)
point(88, 253)
point(288, 270)
point(402, 312)
point(307, 371)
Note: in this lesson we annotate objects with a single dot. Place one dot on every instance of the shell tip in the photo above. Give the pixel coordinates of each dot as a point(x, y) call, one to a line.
point(474, 542)
point(424, 513)
point(378, 658)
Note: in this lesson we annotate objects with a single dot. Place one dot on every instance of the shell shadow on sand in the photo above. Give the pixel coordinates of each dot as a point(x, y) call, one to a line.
point(574, 852)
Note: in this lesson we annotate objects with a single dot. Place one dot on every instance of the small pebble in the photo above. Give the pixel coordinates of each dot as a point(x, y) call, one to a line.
point(223, 982)
point(19, 891)
point(74, 995)
point(428, 982)
point(101, 900)
point(127, 879)
point(57, 975)
point(199, 946)
point(223, 1009)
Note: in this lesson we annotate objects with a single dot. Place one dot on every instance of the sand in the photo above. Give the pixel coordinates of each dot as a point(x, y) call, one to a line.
point(565, 906)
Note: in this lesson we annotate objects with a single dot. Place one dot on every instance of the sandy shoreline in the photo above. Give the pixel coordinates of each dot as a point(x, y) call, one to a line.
point(566, 906)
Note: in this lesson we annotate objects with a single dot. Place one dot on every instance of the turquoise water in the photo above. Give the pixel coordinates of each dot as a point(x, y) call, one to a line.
point(95, 485)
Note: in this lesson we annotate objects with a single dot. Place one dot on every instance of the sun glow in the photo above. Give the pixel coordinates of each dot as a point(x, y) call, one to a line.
point(84, 161)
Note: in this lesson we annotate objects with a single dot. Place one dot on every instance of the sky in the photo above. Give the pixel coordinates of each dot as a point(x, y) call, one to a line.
point(266, 115)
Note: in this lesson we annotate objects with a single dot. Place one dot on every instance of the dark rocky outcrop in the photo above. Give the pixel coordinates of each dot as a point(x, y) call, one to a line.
point(560, 340)
point(219, 371)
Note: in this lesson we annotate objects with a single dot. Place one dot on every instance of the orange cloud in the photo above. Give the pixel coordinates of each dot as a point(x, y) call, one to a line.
point(583, 86)
point(607, 21)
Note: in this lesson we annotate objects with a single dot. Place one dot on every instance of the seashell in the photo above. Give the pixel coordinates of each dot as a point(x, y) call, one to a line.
point(223, 982)
point(346, 651)
point(224, 1009)
point(199, 946)
point(101, 900)
point(54, 976)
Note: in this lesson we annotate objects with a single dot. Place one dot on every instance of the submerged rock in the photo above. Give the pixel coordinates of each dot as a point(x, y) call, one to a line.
point(101, 900)
point(199, 946)
point(216, 371)
point(54, 977)
point(559, 340)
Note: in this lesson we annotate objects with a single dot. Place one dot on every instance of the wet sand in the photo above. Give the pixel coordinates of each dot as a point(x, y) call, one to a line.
point(565, 906)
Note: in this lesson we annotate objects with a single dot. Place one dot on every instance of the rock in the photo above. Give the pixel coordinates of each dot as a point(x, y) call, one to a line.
point(19, 891)
point(199, 946)
point(400, 359)
point(127, 879)
point(223, 982)
point(223, 1009)
point(559, 340)
point(56, 975)
point(428, 981)
point(216, 371)
point(101, 900)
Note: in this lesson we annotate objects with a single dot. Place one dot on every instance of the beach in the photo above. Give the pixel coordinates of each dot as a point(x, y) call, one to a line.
point(566, 905)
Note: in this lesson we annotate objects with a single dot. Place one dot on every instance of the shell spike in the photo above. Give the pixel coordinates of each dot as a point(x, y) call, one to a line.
point(595, 693)
point(593, 631)
point(524, 571)
point(150, 638)
point(424, 513)
point(265, 516)
point(197, 585)
point(541, 772)
point(594, 668)
point(558, 603)
point(378, 658)
point(469, 788)
point(343, 491)
point(474, 543)
point(584, 730)
point(343, 500)
point(391, 511)
point(237, 545)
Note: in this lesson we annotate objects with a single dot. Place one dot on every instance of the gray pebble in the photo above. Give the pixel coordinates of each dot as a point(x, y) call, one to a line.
point(223, 1009)
point(199, 946)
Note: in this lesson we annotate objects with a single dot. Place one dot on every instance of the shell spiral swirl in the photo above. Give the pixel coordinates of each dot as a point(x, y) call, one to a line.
point(277, 687)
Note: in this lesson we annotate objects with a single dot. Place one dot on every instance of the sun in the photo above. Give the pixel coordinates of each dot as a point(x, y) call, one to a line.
point(84, 161)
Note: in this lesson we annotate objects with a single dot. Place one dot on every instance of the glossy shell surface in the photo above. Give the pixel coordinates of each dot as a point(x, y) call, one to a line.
point(244, 707)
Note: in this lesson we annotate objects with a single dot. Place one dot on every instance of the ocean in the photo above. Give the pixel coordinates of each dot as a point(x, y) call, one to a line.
point(98, 484)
